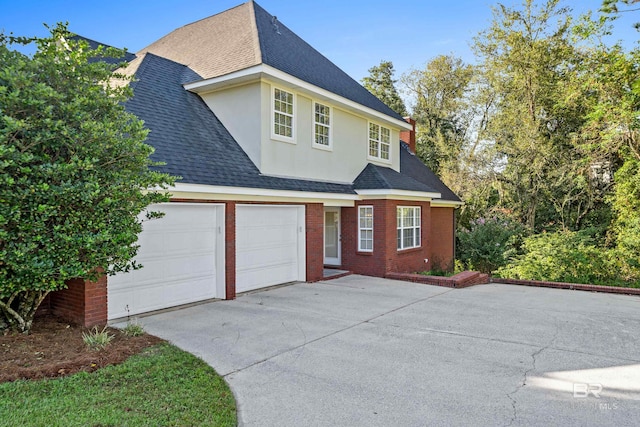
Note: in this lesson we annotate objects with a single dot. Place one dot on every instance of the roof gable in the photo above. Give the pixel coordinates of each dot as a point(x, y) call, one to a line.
point(282, 49)
point(213, 46)
point(246, 36)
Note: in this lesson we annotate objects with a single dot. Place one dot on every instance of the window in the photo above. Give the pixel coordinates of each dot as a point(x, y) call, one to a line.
point(365, 228)
point(282, 113)
point(379, 141)
point(322, 125)
point(408, 227)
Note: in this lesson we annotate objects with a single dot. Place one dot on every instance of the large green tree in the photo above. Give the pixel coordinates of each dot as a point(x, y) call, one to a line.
point(527, 56)
point(74, 171)
point(381, 83)
point(441, 110)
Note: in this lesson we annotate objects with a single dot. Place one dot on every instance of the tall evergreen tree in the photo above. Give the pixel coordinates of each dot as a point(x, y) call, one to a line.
point(381, 83)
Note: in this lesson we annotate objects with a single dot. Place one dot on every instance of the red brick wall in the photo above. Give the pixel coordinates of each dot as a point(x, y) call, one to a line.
point(84, 303)
point(385, 256)
point(442, 236)
point(411, 260)
point(230, 250)
point(369, 263)
point(314, 225)
point(409, 136)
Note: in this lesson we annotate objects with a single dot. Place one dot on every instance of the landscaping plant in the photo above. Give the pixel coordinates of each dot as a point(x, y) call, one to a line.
point(73, 170)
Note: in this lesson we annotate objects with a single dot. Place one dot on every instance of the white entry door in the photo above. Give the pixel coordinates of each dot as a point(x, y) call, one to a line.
point(332, 246)
point(270, 245)
point(183, 258)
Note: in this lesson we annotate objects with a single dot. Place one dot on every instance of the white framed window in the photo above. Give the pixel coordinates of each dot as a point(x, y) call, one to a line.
point(322, 126)
point(408, 227)
point(283, 115)
point(365, 228)
point(379, 142)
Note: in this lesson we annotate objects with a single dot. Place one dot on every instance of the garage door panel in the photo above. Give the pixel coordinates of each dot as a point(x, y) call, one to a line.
point(180, 254)
point(269, 245)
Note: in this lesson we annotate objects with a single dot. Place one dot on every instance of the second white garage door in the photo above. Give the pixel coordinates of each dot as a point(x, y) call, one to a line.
point(270, 245)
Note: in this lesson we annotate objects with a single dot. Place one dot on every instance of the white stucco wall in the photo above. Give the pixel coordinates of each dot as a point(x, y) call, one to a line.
point(347, 157)
point(238, 108)
point(246, 111)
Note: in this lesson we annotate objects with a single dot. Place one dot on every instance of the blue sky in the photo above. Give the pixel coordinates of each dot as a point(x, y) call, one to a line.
point(354, 34)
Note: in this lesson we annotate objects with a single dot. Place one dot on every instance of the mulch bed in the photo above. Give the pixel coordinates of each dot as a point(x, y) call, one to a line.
point(55, 348)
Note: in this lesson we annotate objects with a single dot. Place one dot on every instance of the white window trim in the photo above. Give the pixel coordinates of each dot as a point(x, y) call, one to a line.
point(417, 227)
point(274, 135)
point(378, 158)
point(313, 124)
point(361, 229)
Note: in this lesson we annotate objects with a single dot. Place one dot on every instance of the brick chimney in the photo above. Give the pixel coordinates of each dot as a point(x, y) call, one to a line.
point(409, 136)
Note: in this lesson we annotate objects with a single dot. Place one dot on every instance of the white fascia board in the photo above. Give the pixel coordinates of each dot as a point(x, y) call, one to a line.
point(396, 194)
point(446, 204)
point(258, 192)
point(268, 72)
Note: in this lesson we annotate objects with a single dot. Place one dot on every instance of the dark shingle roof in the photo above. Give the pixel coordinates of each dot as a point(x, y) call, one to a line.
point(190, 139)
point(413, 176)
point(375, 177)
point(127, 57)
point(281, 48)
point(412, 166)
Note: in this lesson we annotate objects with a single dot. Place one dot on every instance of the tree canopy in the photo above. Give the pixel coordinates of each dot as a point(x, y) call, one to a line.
point(542, 130)
point(74, 171)
point(381, 83)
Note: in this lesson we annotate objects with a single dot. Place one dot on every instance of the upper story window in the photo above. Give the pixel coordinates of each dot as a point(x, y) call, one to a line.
point(365, 228)
point(321, 125)
point(283, 108)
point(379, 141)
point(408, 227)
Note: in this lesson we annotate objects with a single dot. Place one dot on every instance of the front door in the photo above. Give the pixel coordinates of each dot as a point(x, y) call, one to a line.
point(332, 236)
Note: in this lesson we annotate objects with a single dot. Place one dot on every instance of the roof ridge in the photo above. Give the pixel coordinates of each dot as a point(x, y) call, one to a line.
point(254, 30)
point(380, 176)
point(204, 19)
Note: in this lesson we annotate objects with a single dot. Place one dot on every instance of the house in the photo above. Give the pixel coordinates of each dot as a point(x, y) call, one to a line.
point(288, 166)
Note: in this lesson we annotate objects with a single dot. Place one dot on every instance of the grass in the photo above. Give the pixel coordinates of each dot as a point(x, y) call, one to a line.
point(438, 272)
point(162, 386)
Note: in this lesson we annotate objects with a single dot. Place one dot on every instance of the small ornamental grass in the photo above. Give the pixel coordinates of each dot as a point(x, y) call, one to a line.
point(97, 340)
point(133, 329)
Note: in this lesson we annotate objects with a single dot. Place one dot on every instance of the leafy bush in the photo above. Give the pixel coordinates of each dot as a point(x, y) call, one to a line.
point(487, 244)
point(626, 227)
point(562, 256)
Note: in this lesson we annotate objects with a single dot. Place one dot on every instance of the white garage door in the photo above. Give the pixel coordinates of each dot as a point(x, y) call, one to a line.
point(270, 245)
point(183, 258)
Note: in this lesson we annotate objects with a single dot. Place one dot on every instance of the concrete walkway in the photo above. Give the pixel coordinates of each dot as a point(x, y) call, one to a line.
point(362, 351)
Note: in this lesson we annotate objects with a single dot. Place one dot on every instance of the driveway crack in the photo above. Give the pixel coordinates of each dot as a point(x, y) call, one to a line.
point(301, 346)
point(527, 372)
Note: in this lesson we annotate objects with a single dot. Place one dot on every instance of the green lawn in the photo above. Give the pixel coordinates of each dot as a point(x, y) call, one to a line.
point(163, 386)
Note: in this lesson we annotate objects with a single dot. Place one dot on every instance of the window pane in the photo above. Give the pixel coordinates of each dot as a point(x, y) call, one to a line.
point(385, 135)
point(407, 237)
point(373, 148)
point(384, 151)
point(374, 132)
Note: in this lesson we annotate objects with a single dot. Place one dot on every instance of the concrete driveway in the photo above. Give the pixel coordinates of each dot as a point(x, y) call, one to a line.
point(362, 351)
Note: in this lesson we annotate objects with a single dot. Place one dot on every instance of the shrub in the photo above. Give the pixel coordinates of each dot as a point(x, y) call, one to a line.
point(562, 256)
point(97, 340)
point(133, 329)
point(487, 244)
